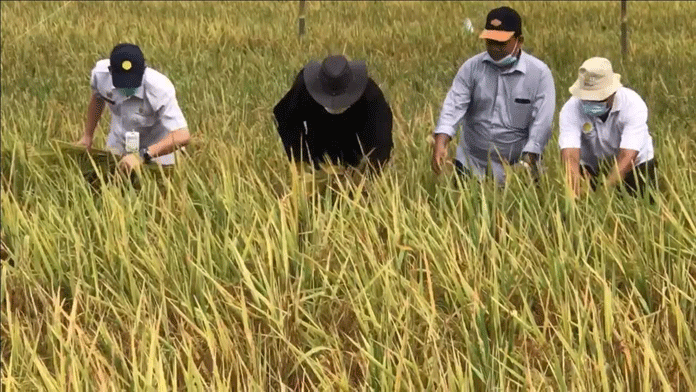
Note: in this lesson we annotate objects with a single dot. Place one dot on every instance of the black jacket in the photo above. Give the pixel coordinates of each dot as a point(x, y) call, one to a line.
point(309, 132)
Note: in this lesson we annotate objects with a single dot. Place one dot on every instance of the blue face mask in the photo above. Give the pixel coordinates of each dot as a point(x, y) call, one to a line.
point(507, 60)
point(127, 91)
point(595, 109)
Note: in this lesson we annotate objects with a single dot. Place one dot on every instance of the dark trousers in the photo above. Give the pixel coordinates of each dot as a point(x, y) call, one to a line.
point(637, 181)
point(461, 170)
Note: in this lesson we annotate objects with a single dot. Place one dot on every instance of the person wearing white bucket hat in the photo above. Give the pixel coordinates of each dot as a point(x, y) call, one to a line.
point(603, 128)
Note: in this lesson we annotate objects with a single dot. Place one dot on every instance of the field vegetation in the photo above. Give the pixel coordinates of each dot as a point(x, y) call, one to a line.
point(234, 274)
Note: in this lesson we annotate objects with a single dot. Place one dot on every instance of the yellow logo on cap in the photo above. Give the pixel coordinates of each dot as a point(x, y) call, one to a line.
point(496, 22)
point(126, 65)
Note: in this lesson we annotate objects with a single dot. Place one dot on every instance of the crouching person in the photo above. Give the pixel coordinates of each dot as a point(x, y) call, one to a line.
point(604, 131)
point(147, 124)
point(335, 114)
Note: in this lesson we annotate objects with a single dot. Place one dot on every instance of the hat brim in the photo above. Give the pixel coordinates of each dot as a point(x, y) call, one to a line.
point(596, 95)
point(127, 80)
point(497, 35)
point(352, 94)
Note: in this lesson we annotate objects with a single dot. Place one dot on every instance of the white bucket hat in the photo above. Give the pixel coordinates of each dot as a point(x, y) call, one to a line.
point(596, 80)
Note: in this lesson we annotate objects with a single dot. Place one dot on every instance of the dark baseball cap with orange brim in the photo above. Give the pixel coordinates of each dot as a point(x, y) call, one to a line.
point(502, 24)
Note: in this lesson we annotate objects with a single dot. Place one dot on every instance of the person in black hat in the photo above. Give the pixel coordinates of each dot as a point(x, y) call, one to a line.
point(335, 113)
point(147, 124)
point(505, 100)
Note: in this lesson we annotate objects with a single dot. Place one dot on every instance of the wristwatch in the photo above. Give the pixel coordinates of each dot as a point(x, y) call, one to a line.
point(147, 158)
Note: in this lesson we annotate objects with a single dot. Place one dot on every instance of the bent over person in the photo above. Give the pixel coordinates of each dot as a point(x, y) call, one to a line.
point(505, 99)
point(335, 113)
point(147, 124)
point(604, 130)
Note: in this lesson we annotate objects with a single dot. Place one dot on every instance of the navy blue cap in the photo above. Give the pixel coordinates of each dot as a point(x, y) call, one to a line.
point(127, 66)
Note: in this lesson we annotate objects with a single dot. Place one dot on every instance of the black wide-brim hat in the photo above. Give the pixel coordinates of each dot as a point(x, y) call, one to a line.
point(336, 83)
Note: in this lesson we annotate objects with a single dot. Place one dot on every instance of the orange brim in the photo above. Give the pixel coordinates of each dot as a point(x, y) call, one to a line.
point(497, 35)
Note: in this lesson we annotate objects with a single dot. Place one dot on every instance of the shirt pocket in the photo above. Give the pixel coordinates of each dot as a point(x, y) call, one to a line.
point(144, 117)
point(589, 132)
point(109, 99)
point(590, 138)
point(520, 113)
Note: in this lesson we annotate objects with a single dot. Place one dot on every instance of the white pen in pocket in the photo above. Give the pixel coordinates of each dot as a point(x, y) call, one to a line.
point(132, 142)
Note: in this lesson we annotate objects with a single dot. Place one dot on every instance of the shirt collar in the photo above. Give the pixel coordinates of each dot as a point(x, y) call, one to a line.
point(117, 97)
point(616, 105)
point(519, 66)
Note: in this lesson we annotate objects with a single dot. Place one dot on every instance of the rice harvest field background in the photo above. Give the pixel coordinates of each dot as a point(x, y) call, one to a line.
point(233, 274)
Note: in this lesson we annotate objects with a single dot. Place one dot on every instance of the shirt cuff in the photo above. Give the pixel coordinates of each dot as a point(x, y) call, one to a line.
point(450, 131)
point(173, 125)
point(631, 144)
point(533, 147)
point(566, 142)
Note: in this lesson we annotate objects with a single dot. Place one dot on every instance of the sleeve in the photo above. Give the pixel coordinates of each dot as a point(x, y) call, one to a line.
point(457, 101)
point(289, 123)
point(570, 126)
point(376, 137)
point(93, 82)
point(169, 112)
point(635, 129)
point(542, 113)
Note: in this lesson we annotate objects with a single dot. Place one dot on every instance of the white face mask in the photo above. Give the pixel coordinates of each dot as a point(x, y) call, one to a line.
point(336, 111)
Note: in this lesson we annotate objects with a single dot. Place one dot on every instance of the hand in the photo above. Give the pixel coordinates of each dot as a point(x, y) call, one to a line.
point(525, 166)
point(530, 158)
point(129, 162)
point(85, 141)
point(530, 162)
point(578, 185)
point(610, 181)
point(439, 154)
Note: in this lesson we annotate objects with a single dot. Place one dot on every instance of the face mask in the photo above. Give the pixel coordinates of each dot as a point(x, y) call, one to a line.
point(335, 111)
point(127, 91)
point(507, 60)
point(595, 109)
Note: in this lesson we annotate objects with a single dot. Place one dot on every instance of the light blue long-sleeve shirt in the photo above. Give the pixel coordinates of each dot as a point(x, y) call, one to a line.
point(505, 112)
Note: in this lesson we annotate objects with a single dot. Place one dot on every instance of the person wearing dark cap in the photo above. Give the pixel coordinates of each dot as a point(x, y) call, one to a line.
point(504, 99)
point(335, 114)
point(147, 124)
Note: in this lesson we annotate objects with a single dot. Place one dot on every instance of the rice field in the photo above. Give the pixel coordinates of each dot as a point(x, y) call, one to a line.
point(234, 273)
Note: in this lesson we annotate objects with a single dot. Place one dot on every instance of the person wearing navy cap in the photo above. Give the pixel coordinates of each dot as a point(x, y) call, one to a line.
point(144, 109)
point(504, 99)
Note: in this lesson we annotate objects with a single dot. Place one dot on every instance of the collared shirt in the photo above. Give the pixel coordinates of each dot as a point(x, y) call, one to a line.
point(506, 112)
point(309, 133)
point(625, 128)
point(153, 110)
